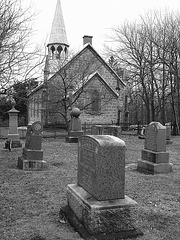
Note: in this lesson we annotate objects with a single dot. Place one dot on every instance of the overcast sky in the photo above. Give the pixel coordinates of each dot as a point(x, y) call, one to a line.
point(92, 17)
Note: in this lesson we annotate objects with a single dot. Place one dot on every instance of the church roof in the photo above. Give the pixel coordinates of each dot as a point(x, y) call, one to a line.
point(90, 78)
point(76, 56)
point(58, 31)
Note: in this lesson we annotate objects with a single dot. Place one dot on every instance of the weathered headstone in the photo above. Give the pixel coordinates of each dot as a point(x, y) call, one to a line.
point(101, 167)
point(75, 130)
point(32, 156)
point(98, 199)
point(155, 159)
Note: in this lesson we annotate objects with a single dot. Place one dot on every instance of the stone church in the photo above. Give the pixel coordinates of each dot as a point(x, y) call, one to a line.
point(85, 81)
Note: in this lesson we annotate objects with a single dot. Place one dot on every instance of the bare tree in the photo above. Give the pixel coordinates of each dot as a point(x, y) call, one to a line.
point(16, 59)
point(149, 50)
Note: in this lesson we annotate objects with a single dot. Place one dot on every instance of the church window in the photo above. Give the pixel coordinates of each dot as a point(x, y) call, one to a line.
point(59, 49)
point(65, 50)
point(95, 99)
point(52, 50)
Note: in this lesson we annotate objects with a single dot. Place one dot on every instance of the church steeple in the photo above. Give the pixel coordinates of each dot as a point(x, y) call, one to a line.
point(58, 44)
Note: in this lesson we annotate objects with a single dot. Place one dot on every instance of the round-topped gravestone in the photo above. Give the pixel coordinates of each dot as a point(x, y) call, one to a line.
point(37, 127)
point(75, 112)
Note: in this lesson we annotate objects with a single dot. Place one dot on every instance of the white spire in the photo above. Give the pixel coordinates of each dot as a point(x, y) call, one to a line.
point(58, 32)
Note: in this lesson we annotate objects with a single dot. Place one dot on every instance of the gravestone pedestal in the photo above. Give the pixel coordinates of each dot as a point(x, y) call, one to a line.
point(75, 132)
point(32, 155)
point(155, 159)
point(103, 217)
point(98, 199)
point(75, 127)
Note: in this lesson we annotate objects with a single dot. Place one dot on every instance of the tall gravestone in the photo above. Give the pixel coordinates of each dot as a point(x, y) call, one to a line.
point(155, 159)
point(98, 199)
point(13, 134)
point(32, 155)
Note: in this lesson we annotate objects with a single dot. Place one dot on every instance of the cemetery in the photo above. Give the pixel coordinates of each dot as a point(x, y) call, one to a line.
point(110, 168)
point(123, 202)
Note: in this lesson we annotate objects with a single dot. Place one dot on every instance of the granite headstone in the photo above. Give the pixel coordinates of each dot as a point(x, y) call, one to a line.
point(98, 200)
point(101, 166)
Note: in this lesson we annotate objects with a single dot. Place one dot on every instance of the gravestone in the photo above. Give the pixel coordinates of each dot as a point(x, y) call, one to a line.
point(98, 200)
point(155, 159)
point(168, 133)
point(106, 130)
point(75, 130)
point(13, 135)
point(32, 155)
point(142, 134)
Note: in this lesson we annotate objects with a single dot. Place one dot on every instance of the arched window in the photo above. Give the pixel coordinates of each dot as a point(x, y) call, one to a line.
point(96, 103)
point(59, 49)
point(52, 50)
point(65, 50)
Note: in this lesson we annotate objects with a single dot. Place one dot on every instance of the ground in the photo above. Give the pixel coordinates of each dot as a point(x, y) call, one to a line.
point(30, 201)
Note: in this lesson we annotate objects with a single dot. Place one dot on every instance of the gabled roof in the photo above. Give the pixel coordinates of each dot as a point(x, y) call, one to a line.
point(89, 46)
point(58, 31)
point(90, 78)
point(75, 57)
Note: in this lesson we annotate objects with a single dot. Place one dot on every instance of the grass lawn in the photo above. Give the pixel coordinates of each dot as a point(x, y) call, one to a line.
point(30, 201)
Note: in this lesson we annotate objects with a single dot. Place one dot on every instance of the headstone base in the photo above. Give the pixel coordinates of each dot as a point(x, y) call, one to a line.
point(103, 218)
point(72, 139)
point(73, 136)
point(32, 154)
point(15, 142)
point(32, 165)
point(169, 141)
point(153, 168)
point(155, 157)
point(141, 137)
